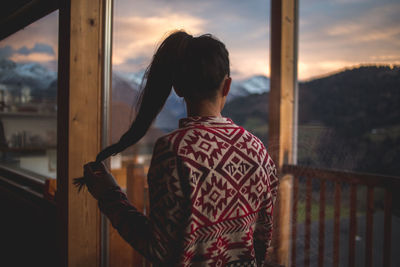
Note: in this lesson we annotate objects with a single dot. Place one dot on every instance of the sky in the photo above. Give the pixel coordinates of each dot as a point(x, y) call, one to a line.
point(38, 42)
point(333, 34)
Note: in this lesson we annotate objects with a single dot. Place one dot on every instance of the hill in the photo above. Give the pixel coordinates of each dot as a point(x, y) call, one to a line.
point(365, 97)
point(251, 112)
point(348, 120)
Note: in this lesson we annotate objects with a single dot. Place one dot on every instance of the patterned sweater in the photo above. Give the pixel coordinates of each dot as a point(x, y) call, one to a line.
point(212, 187)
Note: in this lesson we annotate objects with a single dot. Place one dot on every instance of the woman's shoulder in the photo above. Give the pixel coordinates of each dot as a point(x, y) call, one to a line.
point(167, 142)
point(250, 137)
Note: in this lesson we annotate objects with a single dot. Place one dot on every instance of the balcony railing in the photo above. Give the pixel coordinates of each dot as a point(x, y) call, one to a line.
point(313, 182)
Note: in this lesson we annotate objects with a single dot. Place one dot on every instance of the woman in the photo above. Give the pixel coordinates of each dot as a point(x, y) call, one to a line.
point(212, 184)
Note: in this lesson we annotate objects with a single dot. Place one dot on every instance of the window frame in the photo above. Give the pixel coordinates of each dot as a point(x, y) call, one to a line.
point(15, 17)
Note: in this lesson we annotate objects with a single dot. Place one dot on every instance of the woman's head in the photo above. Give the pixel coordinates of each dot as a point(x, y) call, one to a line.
point(194, 66)
point(205, 63)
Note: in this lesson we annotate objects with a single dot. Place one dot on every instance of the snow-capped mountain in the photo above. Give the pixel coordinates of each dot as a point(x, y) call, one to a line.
point(257, 84)
point(175, 108)
point(33, 75)
point(254, 85)
point(134, 78)
point(125, 88)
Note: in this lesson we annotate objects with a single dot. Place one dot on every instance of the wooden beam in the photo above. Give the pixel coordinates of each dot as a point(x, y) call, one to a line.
point(285, 207)
point(15, 15)
point(62, 136)
point(282, 115)
point(283, 80)
point(80, 118)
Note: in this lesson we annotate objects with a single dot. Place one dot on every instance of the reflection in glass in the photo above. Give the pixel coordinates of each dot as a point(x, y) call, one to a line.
point(28, 98)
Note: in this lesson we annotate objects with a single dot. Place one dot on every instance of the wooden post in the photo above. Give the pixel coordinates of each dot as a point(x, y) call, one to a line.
point(282, 115)
point(285, 207)
point(79, 118)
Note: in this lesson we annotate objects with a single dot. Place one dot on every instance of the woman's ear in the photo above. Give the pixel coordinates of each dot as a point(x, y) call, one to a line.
point(227, 86)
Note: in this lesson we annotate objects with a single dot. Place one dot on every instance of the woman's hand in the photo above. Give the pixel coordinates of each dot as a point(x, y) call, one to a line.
point(98, 179)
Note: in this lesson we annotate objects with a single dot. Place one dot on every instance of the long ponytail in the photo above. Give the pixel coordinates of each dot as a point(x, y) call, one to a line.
point(158, 80)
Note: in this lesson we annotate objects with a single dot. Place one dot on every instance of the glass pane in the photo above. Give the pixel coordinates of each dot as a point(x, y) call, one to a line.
point(349, 85)
point(28, 98)
point(349, 120)
point(139, 26)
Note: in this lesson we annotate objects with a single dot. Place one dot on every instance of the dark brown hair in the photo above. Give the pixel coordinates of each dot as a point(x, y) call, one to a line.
point(195, 66)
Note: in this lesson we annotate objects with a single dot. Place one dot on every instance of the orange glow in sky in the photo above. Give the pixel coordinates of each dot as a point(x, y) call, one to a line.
point(332, 34)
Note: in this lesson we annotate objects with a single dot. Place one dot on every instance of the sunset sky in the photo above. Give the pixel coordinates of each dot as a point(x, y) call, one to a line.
point(333, 33)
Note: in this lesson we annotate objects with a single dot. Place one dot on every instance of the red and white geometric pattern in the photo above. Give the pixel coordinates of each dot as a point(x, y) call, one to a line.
point(212, 188)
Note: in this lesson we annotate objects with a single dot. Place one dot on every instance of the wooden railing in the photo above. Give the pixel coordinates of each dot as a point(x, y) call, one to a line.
point(340, 179)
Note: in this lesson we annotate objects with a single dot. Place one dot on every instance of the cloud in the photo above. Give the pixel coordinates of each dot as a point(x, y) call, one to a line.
point(364, 34)
point(38, 42)
point(333, 34)
point(380, 23)
point(337, 1)
point(242, 26)
point(322, 67)
point(245, 63)
point(6, 51)
point(32, 57)
point(39, 52)
point(37, 48)
point(136, 37)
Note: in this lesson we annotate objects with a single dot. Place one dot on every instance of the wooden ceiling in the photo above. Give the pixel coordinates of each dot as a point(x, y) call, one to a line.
point(17, 14)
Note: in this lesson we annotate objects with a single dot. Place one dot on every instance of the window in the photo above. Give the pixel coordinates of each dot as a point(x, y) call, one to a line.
point(349, 86)
point(348, 98)
point(28, 98)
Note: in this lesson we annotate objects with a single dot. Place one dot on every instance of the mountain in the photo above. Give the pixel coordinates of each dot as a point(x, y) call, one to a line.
point(348, 120)
point(251, 112)
point(254, 85)
point(126, 89)
point(174, 109)
point(369, 96)
point(365, 97)
point(134, 78)
point(354, 113)
point(16, 76)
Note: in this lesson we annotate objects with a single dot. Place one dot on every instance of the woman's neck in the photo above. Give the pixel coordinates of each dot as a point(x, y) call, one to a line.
point(204, 108)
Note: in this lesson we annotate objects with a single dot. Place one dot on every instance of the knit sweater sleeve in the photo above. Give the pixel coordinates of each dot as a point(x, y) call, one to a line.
point(152, 236)
point(264, 224)
point(133, 226)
